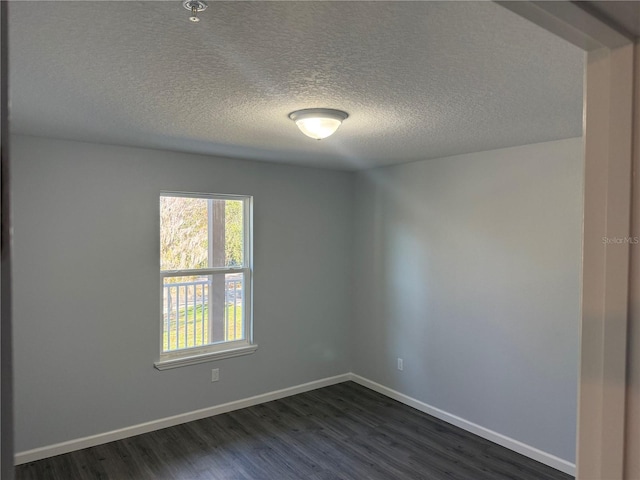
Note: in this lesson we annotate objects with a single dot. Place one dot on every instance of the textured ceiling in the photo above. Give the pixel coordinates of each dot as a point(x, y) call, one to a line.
point(418, 79)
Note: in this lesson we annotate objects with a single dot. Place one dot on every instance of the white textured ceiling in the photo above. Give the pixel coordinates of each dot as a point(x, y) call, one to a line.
point(418, 79)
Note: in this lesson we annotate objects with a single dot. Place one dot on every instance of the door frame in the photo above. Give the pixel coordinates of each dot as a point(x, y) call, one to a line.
point(608, 152)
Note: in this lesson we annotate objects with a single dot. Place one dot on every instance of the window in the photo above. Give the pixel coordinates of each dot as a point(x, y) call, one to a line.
point(205, 278)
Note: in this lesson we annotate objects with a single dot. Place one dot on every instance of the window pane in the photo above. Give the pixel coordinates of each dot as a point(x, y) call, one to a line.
point(200, 233)
point(234, 232)
point(184, 236)
point(202, 310)
point(234, 307)
point(227, 233)
point(185, 312)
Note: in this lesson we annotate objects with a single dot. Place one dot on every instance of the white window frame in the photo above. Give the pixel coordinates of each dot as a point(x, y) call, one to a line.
point(225, 349)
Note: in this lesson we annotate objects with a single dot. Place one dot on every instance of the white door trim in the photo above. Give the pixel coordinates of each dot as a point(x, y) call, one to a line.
point(608, 107)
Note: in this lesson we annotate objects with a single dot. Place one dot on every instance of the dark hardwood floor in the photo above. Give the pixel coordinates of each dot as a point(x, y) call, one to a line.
point(344, 431)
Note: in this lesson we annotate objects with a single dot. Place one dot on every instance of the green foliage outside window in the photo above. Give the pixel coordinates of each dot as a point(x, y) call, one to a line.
point(184, 237)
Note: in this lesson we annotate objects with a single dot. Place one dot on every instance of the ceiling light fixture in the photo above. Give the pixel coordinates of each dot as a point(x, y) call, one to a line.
point(318, 123)
point(194, 6)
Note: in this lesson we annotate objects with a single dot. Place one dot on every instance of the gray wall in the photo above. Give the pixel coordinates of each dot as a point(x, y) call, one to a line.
point(87, 284)
point(469, 268)
point(466, 267)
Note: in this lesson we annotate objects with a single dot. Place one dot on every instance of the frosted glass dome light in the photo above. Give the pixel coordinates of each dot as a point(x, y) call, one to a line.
point(318, 123)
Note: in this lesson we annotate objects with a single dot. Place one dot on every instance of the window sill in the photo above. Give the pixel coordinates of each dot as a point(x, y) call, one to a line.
point(204, 357)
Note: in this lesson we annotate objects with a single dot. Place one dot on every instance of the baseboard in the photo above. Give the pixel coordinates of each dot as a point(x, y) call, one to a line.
point(510, 443)
point(99, 439)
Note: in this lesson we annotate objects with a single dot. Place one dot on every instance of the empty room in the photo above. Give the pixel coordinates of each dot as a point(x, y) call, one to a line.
point(325, 240)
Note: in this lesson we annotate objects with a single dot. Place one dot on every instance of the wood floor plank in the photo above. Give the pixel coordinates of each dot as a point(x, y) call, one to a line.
point(342, 432)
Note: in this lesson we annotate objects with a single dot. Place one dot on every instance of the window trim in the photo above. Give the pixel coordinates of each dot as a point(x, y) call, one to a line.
point(194, 358)
point(226, 349)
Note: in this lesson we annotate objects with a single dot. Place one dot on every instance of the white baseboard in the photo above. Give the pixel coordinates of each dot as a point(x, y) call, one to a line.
point(101, 438)
point(510, 443)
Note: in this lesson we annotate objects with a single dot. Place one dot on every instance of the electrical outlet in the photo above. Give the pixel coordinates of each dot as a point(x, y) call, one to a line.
point(400, 364)
point(215, 374)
